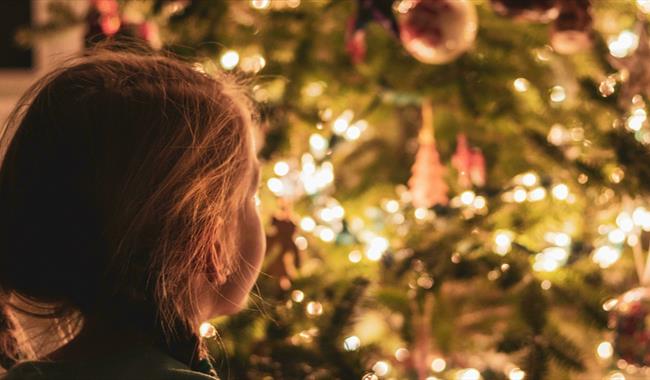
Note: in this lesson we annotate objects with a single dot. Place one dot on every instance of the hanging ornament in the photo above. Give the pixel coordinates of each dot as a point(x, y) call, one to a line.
point(635, 69)
point(438, 31)
point(281, 248)
point(527, 10)
point(103, 19)
point(469, 163)
point(427, 183)
point(380, 11)
point(631, 321)
point(571, 31)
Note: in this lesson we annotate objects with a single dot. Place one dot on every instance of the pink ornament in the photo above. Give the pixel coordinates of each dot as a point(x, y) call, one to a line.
point(469, 163)
point(427, 184)
point(438, 31)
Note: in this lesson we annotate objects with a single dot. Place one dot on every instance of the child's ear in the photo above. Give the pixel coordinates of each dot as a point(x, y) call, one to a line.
point(211, 268)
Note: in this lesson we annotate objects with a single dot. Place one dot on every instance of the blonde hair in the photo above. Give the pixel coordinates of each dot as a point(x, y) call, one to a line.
point(119, 187)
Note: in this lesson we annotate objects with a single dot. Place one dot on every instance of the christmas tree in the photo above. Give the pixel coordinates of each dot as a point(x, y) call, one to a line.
point(536, 266)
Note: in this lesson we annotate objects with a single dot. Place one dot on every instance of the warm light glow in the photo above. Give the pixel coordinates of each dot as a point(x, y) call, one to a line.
point(307, 224)
point(623, 44)
point(420, 213)
point(260, 4)
point(605, 350)
point(314, 308)
point(521, 84)
point(606, 256)
point(624, 222)
point(354, 256)
point(467, 197)
point(351, 343)
point(229, 59)
point(297, 296)
point(401, 354)
point(519, 195)
point(281, 168)
point(636, 120)
point(318, 144)
point(438, 365)
point(537, 194)
point(468, 374)
point(616, 236)
point(560, 192)
point(516, 374)
point(275, 185)
point(503, 242)
point(381, 368)
point(529, 179)
point(643, 5)
point(558, 94)
point(327, 235)
point(376, 248)
point(392, 206)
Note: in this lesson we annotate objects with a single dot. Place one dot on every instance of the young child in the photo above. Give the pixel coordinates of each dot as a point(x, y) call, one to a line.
point(127, 209)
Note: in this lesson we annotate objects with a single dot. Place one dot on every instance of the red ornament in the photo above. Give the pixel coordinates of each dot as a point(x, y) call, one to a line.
point(630, 319)
point(438, 31)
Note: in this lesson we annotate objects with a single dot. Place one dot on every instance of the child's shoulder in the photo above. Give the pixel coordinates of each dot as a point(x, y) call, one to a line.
point(137, 364)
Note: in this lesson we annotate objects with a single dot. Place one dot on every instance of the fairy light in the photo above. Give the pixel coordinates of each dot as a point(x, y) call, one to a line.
point(546, 285)
point(281, 168)
point(253, 63)
point(616, 236)
point(641, 218)
point(521, 84)
point(391, 206)
point(519, 195)
point(326, 214)
point(616, 376)
point(229, 59)
point(260, 4)
point(297, 296)
point(351, 343)
point(605, 350)
point(605, 256)
point(438, 365)
point(420, 213)
point(301, 243)
point(625, 222)
point(340, 125)
point(516, 374)
point(275, 185)
point(529, 179)
point(467, 197)
point(307, 224)
point(207, 330)
point(623, 44)
point(503, 242)
point(558, 94)
point(468, 374)
point(318, 144)
point(376, 248)
point(381, 368)
point(327, 235)
point(636, 120)
point(353, 132)
point(560, 192)
point(537, 194)
point(401, 354)
point(354, 256)
point(314, 308)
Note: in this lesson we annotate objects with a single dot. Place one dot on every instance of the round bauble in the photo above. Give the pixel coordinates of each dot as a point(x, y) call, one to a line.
point(438, 31)
point(631, 321)
point(527, 10)
point(571, 31)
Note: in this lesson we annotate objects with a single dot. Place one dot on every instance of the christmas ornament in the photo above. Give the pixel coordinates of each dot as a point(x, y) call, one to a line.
point(469, 162)
point(103, 19)
point(635, 69)
point(281, 248)
point(380, 11)
point(571, 31)
point(427, 183)
point(631, 321)
point(527, 10)
point(438, 31)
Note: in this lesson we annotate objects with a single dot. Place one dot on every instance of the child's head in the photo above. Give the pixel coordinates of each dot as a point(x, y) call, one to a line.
point(127, 194)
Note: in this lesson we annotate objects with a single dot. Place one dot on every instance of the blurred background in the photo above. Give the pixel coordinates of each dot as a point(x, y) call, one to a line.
point(453, 189)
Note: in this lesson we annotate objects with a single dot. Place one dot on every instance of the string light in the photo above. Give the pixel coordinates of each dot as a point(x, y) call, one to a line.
point(301, 243)
point(307, 224)
point(253, 63)
point(624, 44)
point(318, 144)
point(354, 256)
point(260, 4)
point(558, 94)
point(636, 120)
point(616, 236)
point(401, 354)
point(281, 168)
point(521, 84)
point(468, 374)
point(438, 365)
point(326, 234)
point(519, 194)
point(420, 213)
point(467, 197)
point(605, 350)
point(516, 374)
point(381, 368)
point(537, 194)
point(229, 59)
point(391, 206)
point(275, 185)
point(297, 296)
point(529, 179)
point(351, 343)
point(314, 308)
point(560, 192)
point(376, 248)
point(605, 256)
point(643, 5)
point(502, 242)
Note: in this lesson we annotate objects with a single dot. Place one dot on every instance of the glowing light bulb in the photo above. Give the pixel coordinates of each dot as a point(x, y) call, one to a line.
point(537, 194)
point(401, 354)
point(605, 350)
point(327, 235)
point(307, 224)
point(318, 144)
point(381, 368)
point(558, 94)
point(467, 197)
point(624, 222)
point(260, 4)
point(229, 59)
point(392, 206)
point(351, 343)
point(420, 213)
point(521, 84)
point(468, 374)
point(516, 374)
point(605, 256)
point(297, 296)
point(616, 236)
point(503, 242)
point(275, 185)
point(376, 248)
point(636, 120)
point(438, 365)
point(529, 179)
point(354, 256)
point(623, 44)
point(314, 308)
point(281, 168)
point(643, 5)
point(353, 133)
point(519, 194)
point(560, 192)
